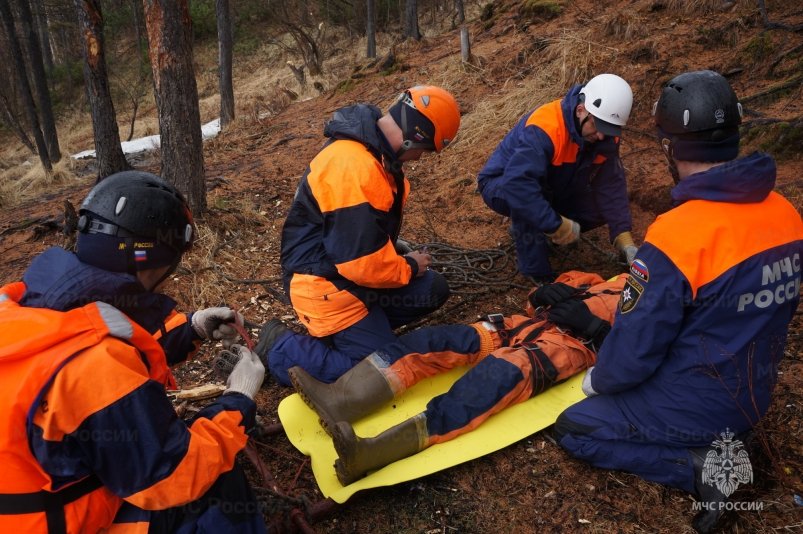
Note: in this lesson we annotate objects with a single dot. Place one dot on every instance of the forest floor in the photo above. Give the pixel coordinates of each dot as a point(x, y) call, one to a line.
point(520, 61)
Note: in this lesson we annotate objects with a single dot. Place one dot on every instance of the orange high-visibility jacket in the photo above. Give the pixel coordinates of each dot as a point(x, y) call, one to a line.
point(340, 232)
point(85, 422)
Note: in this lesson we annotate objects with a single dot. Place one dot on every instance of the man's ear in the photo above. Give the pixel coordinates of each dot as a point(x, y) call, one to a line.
point(580, 108)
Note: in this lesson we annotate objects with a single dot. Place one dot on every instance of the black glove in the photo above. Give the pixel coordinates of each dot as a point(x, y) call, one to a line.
point(550, 294)
point(576, 316)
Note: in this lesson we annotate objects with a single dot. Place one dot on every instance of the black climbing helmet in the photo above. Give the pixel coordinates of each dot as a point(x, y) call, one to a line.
point(132, 221)
point(698, 117)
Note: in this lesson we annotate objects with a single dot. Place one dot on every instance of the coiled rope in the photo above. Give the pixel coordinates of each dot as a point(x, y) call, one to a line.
point(473, 271)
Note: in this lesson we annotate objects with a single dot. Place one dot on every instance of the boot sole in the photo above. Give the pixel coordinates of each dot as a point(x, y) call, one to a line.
point(344, 440)
point(327, 422)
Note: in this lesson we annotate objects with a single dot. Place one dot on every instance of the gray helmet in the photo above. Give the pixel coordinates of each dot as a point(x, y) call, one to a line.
point(134, 220)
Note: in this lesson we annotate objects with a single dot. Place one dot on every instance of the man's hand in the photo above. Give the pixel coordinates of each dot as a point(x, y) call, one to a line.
point(626, 246)
point(217, 323)
point(629, 253)
point(403, 247)
point(567, 232)
point(247, 374)
point(576, 316)
point(423, 260)
point(550, 294)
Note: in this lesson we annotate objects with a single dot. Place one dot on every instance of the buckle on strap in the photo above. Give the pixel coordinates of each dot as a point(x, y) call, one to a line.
point(498, 320)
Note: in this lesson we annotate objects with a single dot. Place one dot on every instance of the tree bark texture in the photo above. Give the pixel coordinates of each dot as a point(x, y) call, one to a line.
point(8, 117)
point(24, 86)
point(411, 20)
point(465, 45)
point(43, 32)
point(109, 153)
point(370, 27)
point(225, 43)
point(461, 11)
point(170, 49)
point(39, 81)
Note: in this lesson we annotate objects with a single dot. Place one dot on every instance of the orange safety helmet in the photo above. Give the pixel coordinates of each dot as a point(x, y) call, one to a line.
point(437, 106)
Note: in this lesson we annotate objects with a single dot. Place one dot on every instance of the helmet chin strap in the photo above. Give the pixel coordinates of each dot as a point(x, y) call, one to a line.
point(407, 144)
point(666, 148)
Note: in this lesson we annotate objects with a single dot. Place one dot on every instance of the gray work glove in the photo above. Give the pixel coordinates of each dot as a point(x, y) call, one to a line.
point(217, 323)
point(587, 388)
point(247, 374)
point(629, 253)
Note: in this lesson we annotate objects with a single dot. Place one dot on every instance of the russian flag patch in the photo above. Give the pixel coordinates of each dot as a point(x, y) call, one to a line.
point(140, 255)
point(639, 268)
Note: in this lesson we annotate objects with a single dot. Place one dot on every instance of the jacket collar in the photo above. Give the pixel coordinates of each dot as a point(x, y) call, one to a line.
point(745, 180)
point(58, 280)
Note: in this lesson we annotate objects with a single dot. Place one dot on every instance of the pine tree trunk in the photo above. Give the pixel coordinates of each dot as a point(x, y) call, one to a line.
point(110, 156)
point(461, 12)
point(224, 34)
point(12, 122)
point(170, 48)
point(39, 80)
point(43, 32)
point(370, 28)
point(135, 7)
point(411, 20)
point(25, 88)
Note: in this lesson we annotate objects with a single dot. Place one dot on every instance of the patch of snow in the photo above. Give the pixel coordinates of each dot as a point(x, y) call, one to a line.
point(151, 142)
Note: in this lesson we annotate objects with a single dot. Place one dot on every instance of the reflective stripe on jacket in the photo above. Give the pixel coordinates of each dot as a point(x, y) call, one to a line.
point(82, 394)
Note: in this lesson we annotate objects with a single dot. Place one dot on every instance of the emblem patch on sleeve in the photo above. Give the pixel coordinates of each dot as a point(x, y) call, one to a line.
point(639, 269)
point(630, 295)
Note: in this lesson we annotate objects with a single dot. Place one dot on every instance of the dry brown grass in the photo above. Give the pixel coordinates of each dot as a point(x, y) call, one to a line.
point(707, 6)
point(569, 59)
point(29, 180)
point(624, 25)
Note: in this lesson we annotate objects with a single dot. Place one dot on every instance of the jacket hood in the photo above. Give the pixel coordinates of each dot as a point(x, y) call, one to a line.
point(358, 123)
point(567, 106)
point(58, 280)
point(742, 181)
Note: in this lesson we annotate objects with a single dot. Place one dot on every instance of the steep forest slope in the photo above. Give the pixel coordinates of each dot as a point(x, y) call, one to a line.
point(525, 53)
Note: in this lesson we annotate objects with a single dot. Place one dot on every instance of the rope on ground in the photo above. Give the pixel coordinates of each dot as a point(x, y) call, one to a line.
point(472, 271)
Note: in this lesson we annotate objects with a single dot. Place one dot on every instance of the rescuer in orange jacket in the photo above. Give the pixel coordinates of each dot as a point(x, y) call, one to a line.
point(88, 437)
point(692, 359)
point(512, 358)
point(348, 280)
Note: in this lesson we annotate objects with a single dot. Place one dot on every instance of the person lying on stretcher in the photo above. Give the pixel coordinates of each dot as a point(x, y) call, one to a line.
point(512, 359)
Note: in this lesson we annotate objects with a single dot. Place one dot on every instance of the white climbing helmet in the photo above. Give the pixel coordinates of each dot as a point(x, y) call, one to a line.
point(609, 99)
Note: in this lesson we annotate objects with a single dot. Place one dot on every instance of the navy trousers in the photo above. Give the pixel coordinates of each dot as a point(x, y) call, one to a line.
point(327, 359)
point(598, 431)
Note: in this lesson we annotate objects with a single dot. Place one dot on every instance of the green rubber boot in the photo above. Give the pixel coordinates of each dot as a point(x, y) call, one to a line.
point(360, 391)
point(357, 456)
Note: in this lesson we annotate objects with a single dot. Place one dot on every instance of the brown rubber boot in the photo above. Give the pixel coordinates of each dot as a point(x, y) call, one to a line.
point(360, 391)
point(357, 456)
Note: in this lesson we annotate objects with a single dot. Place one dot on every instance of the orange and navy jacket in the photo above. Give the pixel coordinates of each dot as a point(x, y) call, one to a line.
point(703, 321)
point(85, 420)
point(339, 235)
point(543, 168)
